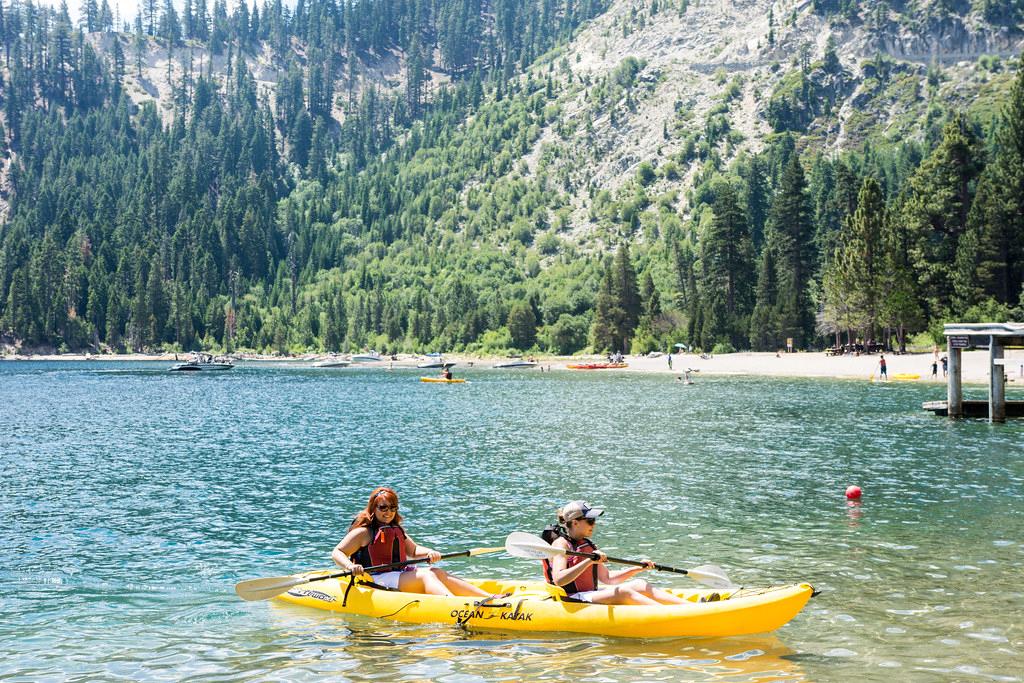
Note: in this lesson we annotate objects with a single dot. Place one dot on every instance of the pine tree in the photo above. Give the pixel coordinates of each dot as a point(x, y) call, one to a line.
point(522, 325)
point(901, 307)
point(627, 296)
point(789, 237)
point(990, 256)
point(91, 15)
point(936, 213)
point(764, 326)
point(119, 62)
point(727, 262)
point(864, 252)
point(604, 328)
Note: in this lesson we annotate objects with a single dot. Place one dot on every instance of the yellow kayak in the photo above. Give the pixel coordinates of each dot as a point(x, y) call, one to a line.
point(537, 606)
point(906, 376)
point(442, 381)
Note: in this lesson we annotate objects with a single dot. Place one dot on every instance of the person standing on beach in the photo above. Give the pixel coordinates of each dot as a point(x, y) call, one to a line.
point(935, 368)
point(376, 537)
point(670, 362)
point(945, 366)
point(881, 368)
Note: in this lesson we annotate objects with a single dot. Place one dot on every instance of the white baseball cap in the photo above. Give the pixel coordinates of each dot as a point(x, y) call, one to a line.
point(579, 509)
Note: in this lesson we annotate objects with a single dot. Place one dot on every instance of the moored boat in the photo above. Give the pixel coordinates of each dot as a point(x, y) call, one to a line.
point(368, 357)
point(539, 607)
point(515, 364)
point(437, 364)
point(333, 361)
point(203, 362)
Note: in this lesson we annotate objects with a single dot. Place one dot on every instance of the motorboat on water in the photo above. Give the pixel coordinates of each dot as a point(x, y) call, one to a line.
point(440, 364)
point(204, 361)
point(367, 357)
point(333, 361)
point(513, 364)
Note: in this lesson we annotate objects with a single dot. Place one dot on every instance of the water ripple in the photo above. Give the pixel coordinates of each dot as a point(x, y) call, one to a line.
point(134, 499)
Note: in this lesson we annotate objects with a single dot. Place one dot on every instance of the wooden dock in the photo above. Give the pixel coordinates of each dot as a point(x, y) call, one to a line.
point(996, 337)
point(974, 408)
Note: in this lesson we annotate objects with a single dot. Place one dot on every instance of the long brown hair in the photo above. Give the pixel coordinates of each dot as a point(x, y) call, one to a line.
point(381, 494)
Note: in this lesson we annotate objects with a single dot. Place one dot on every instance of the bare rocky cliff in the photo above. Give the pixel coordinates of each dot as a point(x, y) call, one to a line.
point(715, 75)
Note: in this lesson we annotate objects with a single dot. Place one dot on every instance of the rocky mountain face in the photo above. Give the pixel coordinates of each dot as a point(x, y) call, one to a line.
point(715, 78)
point(669, 82)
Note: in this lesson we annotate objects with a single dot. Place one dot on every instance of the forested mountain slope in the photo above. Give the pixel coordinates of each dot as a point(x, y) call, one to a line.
point(457, 174)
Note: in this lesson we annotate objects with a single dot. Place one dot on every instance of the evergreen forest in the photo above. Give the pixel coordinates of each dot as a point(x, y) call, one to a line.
point(340, 214)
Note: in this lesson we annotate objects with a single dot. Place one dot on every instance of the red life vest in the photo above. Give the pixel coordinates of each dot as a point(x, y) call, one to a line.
point(387, 545)
point(587, 581)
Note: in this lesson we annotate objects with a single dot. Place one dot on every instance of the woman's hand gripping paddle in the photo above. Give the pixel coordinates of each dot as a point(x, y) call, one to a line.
point(262, 589)
point(530, 547)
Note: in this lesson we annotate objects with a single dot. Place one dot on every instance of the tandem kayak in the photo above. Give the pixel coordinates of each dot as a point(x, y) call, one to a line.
point(442, 381)
point(905, 376)
point(538, 607)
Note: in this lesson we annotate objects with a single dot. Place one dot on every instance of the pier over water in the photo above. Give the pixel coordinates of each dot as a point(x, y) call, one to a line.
point(997, 337)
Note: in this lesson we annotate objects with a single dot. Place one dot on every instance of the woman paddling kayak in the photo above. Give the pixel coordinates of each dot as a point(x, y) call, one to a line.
point(581, 576)
point(376, 537)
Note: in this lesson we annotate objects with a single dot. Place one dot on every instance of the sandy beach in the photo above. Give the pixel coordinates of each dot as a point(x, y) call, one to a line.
point(975, 363)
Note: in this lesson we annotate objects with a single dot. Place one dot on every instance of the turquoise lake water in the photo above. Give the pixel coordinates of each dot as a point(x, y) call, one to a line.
point(134, 499)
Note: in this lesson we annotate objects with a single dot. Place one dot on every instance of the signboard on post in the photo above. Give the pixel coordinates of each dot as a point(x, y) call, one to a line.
point(959, 342)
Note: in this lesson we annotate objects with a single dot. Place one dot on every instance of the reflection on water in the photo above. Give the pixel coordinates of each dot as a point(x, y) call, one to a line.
point(396, 651)
point(133, 500)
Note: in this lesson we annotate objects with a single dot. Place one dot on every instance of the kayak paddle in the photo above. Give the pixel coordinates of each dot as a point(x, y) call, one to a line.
point(262, 589)
point(530, 547)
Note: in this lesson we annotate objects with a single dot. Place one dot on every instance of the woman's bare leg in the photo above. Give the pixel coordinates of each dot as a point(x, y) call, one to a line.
point(621, 595)
point(458, 586)
point(660, 595)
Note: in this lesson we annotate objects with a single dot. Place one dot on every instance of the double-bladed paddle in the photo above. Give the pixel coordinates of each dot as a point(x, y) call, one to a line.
point(262, 589)
point(530, 547)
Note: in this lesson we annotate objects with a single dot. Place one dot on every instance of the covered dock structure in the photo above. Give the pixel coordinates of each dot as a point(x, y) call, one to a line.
point(996, 337)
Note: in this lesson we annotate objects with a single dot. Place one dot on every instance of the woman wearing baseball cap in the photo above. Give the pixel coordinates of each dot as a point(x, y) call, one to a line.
point(581, 576)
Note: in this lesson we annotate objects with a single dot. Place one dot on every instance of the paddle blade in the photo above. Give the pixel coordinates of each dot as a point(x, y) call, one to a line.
point(262, 589)
point(530, 547)
point(484, 551)
point(710, 575)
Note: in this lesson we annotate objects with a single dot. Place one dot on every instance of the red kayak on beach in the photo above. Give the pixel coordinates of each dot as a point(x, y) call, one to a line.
point(597, 366)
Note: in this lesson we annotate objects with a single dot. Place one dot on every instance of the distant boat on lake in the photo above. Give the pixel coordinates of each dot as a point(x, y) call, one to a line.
point(204, 361)
point(333, 361)
point(513, 364)
point(437, 364)
point(368, 357)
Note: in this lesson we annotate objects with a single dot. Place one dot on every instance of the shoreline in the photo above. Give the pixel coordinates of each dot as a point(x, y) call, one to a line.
point(754, 364)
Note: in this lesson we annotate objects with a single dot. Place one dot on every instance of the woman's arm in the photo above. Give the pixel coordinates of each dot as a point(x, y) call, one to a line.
point(622, 575)
point(413, 550)
point(353, 541)
point(562, 575)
